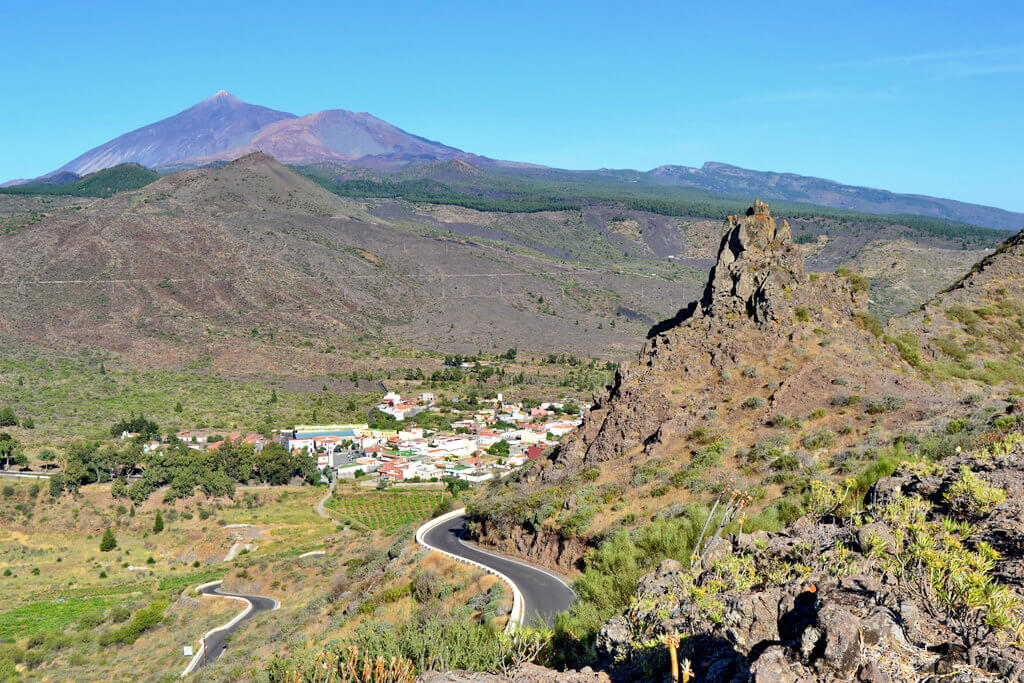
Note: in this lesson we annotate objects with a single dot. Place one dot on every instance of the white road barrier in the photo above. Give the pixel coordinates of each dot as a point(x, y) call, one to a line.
point(515, 617)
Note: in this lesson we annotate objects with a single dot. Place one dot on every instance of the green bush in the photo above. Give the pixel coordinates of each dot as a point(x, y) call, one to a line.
point(753, 403)
point(822, 438)
point(970, 498)
point(143, 620)
point(885, 405)
point(871, 323)
point(108, 542)
point(907, 345)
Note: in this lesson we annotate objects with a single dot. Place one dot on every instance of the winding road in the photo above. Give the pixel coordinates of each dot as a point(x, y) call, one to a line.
point(544, 593)
point(214, 643)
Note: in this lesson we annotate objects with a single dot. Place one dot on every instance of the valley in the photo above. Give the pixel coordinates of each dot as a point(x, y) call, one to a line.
point(687, 428)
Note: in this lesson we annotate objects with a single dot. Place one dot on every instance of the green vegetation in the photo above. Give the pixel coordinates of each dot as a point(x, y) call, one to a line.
point(508, 191)
point(384, 510)
point(105, 183)
point(970, 498)
point(50, 615)
point(79, 398)
point(183, 469)
point(108, 542)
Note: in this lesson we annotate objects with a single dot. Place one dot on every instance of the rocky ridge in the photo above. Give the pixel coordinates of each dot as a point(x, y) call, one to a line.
point(765, 340)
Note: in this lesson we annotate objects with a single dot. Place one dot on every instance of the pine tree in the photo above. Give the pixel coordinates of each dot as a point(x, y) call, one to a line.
point(158, 523)
point(108, 542)
point(179, 408)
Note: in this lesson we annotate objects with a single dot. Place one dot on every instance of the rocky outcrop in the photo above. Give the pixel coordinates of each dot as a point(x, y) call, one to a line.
point(756, 264)
point(758, 303)
point(853, 609)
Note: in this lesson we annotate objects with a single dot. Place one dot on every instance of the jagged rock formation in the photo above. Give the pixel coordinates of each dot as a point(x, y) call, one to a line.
point(756, 263)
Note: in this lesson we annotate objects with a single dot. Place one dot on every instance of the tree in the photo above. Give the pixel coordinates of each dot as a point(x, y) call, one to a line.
point(178, 407)
point(56, 485)
point(499, 449)
point(158, 523)
point(119, 489)
point(108, 542)
point(455, 485)
point(10, 451)
point(137, 424)
point(7, 417)
point(273, 396)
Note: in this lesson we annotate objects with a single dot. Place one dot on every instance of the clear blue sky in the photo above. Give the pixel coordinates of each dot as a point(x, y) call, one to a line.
point(912, 96)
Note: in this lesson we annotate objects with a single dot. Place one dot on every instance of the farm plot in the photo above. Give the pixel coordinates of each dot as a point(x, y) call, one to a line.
point(385, 510)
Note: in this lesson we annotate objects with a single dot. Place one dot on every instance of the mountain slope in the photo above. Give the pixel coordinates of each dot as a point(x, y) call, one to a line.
point(105, 183)
point(727, 179)
point(191, 264)
point(214, 125)
point(336, 135)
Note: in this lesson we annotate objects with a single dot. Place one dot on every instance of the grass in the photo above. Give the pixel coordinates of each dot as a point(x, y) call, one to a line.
point(79, 397)
point(385, 510)
point(49, 615)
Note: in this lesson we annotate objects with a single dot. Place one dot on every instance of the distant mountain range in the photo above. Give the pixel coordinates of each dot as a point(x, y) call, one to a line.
point(724, 178)
point(223, 128)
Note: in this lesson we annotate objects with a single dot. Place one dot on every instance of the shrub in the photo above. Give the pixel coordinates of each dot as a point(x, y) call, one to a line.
point(966, 317)
point(950, 348)
point(753, 402)
point(768, 449)
point(971, 498)
point(822, 438)
point(817, 414)
point(751, 372)
point(907, 345)
point(781, 420)
point(158, 523)
point(426, 586)
point(142, 621)
point(871, 323)
point(802, 314)
point(885, 405)
point(108, 542)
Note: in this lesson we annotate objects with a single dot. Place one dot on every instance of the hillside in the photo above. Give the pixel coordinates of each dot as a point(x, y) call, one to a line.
point(188, 266)
point(724, 178)
point(105, 183)
point(773, 380)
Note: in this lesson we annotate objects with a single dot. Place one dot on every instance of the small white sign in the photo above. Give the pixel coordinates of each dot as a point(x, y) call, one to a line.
point(188, 650)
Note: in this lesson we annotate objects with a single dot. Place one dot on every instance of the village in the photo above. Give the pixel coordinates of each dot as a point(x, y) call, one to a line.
point(473, 444)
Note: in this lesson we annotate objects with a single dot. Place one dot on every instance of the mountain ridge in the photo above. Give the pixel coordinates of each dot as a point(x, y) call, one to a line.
point(222, 128)
point(723, 177)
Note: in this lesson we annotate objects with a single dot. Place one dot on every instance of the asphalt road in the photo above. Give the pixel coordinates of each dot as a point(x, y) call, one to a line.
point(544, 593)
point(215, 643)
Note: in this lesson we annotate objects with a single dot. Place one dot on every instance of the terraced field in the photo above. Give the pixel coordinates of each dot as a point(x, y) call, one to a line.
point(384, 510)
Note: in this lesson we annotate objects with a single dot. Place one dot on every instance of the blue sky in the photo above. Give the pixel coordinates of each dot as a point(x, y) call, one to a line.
point(923, 97)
